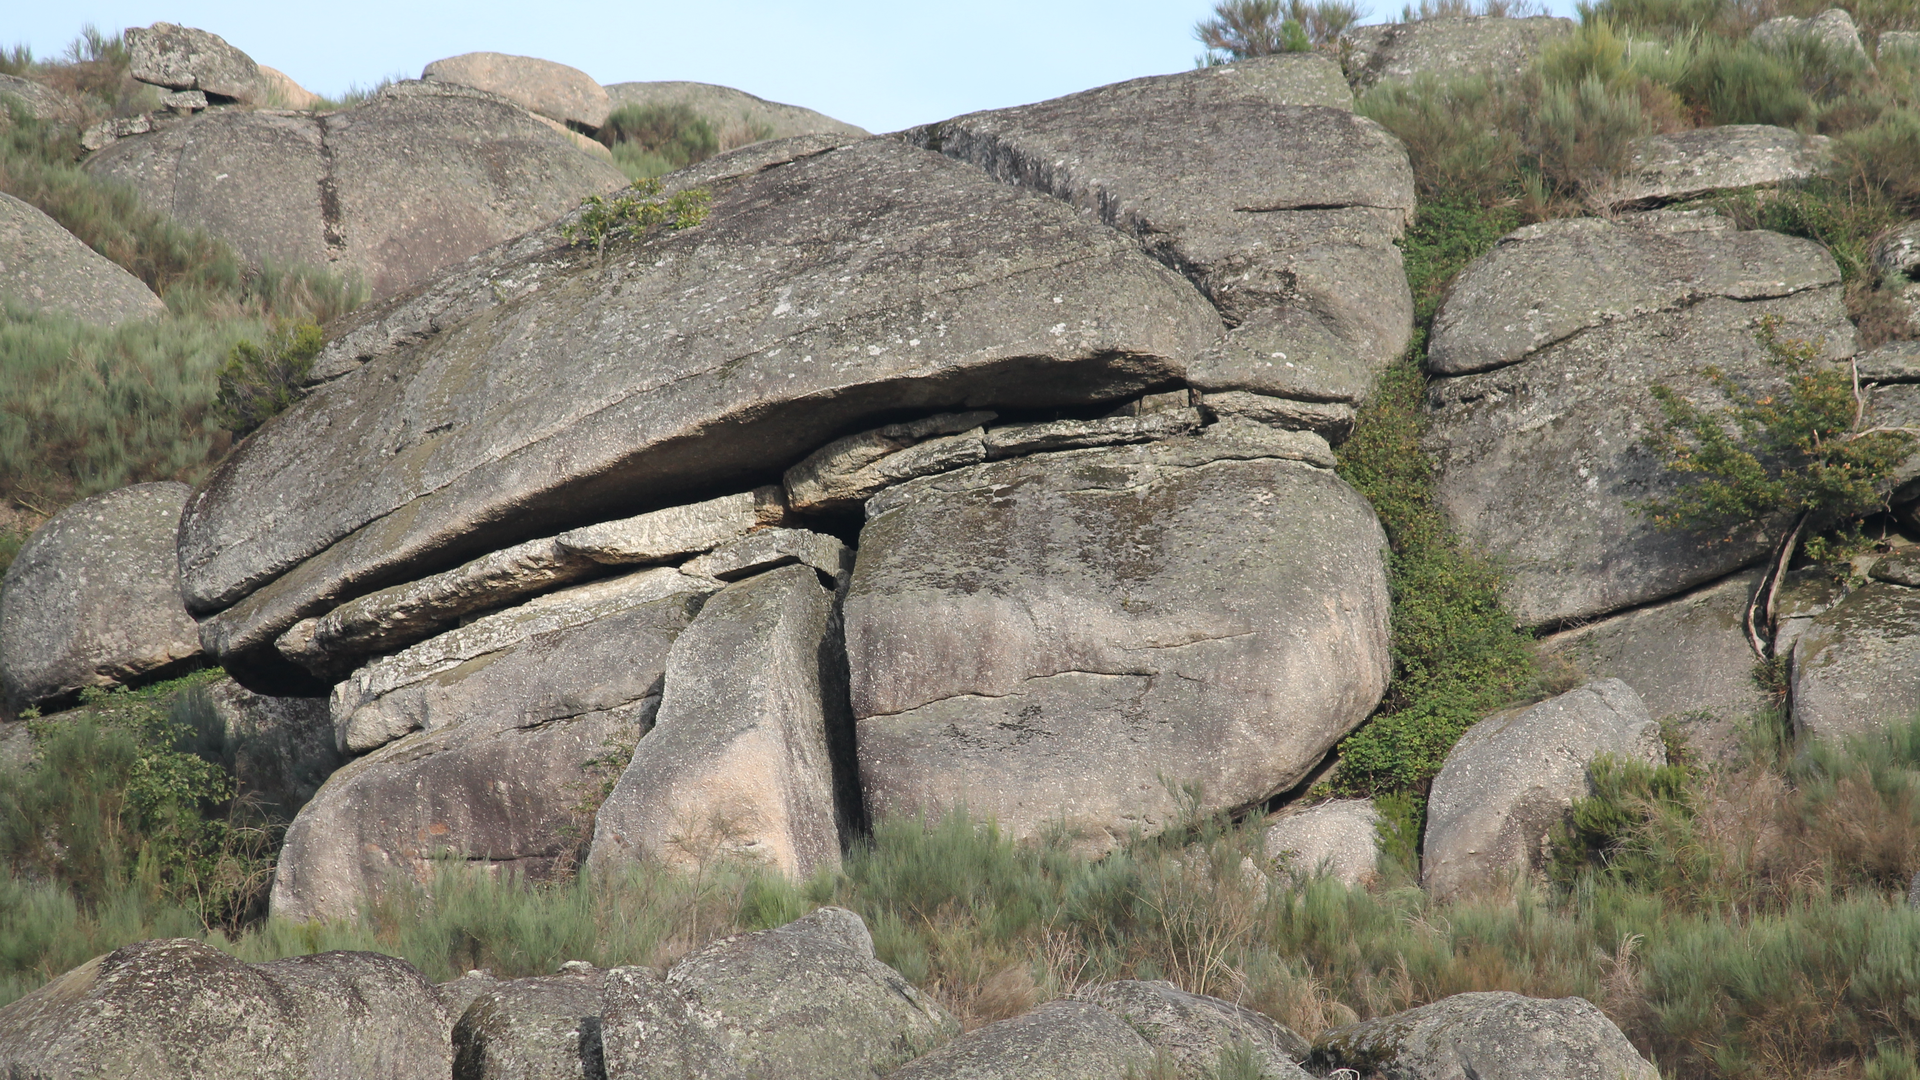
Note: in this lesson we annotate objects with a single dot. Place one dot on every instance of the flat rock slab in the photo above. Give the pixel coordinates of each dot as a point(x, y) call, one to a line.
point(807, 999)
point(184, 58)
point(1448, 48)
point(543, 1028)
point(1687, 657)
point(1688, 164)
point(1061, 1040)
point(555, 91)
point(93, 598)
point(1853, 665)
point(1340, 838)
point(1491, 1036)
point(1514, 775)
point(1284, 213)
point(740, 761)
point(1543, 461)
point(43, 267)
point(179, 1009)
point(414, 180)
point(1067, 636)
point(737, 117)
point(862, 280)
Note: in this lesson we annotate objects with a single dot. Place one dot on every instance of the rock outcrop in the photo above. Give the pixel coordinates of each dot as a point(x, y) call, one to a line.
point(1688, 164)
point(43, 267)
point(1290, 233)
point(1192, 1031)
point(737, 118)
point(626, 388)
point(1067, 638)
point(1339, 838)
point(182, 1010)
point(40, 101)
point(184, 58)
point(1853, 663)
point(1550, 344)
point(740, 761)
point(93, 599)
point(555, 91)
point(807, 999)
point(1061, 1040)
point(1492, 46)
point(414, 180)
point(283, 748)
point(1514, 775)
point(1491, 1036)
point(543, 1028)
point(1832, 30)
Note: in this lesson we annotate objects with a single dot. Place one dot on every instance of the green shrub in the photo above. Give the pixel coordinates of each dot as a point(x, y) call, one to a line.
point(1740, 84)
point(1886, 156)
point(673, 135)
point(1461, 135)
point(633, 212)
point(1245, 28)
point(1581, 135)
point(259, 382)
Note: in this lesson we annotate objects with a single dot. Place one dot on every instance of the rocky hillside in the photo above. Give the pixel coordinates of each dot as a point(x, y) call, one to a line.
point(1299, 554)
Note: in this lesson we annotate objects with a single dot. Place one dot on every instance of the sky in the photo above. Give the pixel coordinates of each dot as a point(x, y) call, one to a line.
point(881, 65)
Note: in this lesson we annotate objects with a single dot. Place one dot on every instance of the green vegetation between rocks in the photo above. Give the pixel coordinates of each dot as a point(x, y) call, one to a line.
point(633, 212)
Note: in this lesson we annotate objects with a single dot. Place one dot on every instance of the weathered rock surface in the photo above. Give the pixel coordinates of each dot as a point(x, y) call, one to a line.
point(182, 1010)
point(1541, 455)
point(807, 999)
point(510, 749)
point(93, 598)
point(545, 1028)
point(1897, 251)
point(1340, 837)
point(846, 471)
point(766, 549)
point(283, 747)
point(1192, 1030)
point(43, 267)
point(740, 759)
point(183, 58)
point(1061, 1040)
point(737, 117)
point(396, 617)
point(1688, 164)
point(1688, 658)
point(506, 661)
point(1290, 233)
point(1853, 664)
point(419, 177)
point(865, 279)
point(1514, 775)
point(1899, 46)
point(1489, 1036)
point(40, 101)
point(1066, 636)
point(1496, 47)
point(1332, 419)
point(1894, 362)
point(279, 91)
point(1833, 29)
point(556, 91)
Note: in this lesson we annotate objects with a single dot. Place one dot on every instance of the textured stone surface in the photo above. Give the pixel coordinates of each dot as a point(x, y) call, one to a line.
point(93, 598)
point(1832, 28)
point(870, 278)
point(1340, 836)
point(1894, 362)
point(758, 552)
point(1192, 1030)
point(501, 662)
point(545, 1028)
point(557, 91)
point(279, 91)
point(737, 117)
point(1853, 666)
point(1488, 1036)
point(41, 102)
point(1283, 213)
point(1685, 657)
point(396, 617)
point(739, 762)
point(1015, 440)
point(805, 1000)
point(1688, 164)
point(1541, 461)
point(1448, 48)
point(1059, 637)
point(1514, 775)
point(515, 741)
point(1061, 1040)
point(1332, 419)
point(1897, 251)
point(283, 748)
point(43, 267)
point(183, 58)
point(181, 1010)
point(416, 179)
point(846, 471)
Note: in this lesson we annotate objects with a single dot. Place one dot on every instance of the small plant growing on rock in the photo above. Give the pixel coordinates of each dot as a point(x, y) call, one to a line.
point(633, 212)
point(260, 382)
point(1798, 452)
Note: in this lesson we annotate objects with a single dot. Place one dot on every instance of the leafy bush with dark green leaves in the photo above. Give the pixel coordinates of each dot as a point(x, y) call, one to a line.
point(260, 382)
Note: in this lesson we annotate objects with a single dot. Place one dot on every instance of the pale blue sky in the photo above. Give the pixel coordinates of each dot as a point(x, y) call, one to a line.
point(881, 65)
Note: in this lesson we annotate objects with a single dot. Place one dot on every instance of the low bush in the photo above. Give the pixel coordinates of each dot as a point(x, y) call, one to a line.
point(652, 140)
point(259, 382)
point(1462, 135)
